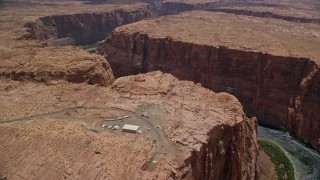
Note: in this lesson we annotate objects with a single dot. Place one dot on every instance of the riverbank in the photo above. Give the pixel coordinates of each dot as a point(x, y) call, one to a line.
point(305, 160)
point(283, 165)
point(267, 167)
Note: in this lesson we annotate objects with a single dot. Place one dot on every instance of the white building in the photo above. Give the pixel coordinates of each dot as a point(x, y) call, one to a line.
point(130, 128)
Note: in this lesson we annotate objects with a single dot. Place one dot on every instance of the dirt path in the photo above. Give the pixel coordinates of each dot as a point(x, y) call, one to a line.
point(148, 124)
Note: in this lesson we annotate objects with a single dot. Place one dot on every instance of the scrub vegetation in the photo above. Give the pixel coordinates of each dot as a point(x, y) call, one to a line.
point(283, 165)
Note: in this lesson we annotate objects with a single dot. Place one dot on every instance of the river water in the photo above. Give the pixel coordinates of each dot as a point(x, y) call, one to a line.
point(305, 160)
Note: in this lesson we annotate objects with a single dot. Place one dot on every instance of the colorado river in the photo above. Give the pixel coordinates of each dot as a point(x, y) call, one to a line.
point(305, 160)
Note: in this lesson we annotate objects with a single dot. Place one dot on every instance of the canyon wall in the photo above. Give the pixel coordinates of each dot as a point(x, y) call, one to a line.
point(167, 8)
point(84, 28)
point(213, 136)
point(230, 153)
point(283, 92)
point(191, 139)
point(266, 14)
point(170, 8)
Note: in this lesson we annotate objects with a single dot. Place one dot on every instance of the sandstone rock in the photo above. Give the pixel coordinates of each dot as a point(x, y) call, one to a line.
point(221, 142)
point(85, 28)
point(71, 64)
point(279, 85)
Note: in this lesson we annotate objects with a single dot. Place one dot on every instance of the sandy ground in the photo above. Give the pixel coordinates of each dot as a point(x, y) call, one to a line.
point(56, 149)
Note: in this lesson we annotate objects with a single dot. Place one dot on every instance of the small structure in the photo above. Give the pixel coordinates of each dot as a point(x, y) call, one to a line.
point(123, 117)
point(115, 127)
point(130, 128)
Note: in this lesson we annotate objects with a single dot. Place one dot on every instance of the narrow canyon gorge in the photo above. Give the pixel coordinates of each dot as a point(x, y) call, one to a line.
point(84, 28)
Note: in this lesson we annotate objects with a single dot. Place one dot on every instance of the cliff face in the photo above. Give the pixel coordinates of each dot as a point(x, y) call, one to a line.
point(266, 14)
point(282, 92)
point(236, 7)
point(84, 28)
point(167, 8)
point(194, 133)
point(229, 149)
point(214, 138)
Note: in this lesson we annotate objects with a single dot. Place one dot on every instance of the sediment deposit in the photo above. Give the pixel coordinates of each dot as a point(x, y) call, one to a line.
point(271, 67)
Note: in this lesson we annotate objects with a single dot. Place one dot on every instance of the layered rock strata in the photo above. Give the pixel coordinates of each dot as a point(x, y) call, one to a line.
point(84, 28)
point(206, 135)
point(266, 14)
point(281, 89)
point(48, 64)
point(269, 9)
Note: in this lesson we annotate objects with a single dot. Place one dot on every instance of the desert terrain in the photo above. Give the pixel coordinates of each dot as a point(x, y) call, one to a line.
point(270, 65)
point(59, 126)
point(194, 82)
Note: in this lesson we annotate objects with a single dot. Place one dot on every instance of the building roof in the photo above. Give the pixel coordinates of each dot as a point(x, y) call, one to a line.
point(128, 127)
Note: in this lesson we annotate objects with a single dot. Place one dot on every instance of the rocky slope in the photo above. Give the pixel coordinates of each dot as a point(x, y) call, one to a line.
point(84, 28)
point(282, 90)
point(48, 64)
point(208, 133)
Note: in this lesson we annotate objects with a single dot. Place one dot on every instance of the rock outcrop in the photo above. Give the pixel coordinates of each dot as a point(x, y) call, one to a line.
point(59, 63)
point(84, 28)
point(226, 150)
point(206, 135)
point(282, 91)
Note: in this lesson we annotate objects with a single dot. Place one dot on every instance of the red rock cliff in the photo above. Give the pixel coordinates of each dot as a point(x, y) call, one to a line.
point(283, 92)
point(213, 136)
point(85, 28)
point(230, 153)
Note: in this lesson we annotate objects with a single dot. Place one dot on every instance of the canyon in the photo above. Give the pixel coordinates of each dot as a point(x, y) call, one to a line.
point(304, 11)
point(54, 99)
point(274, 77)
point(84, 28)
point(196, 83)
